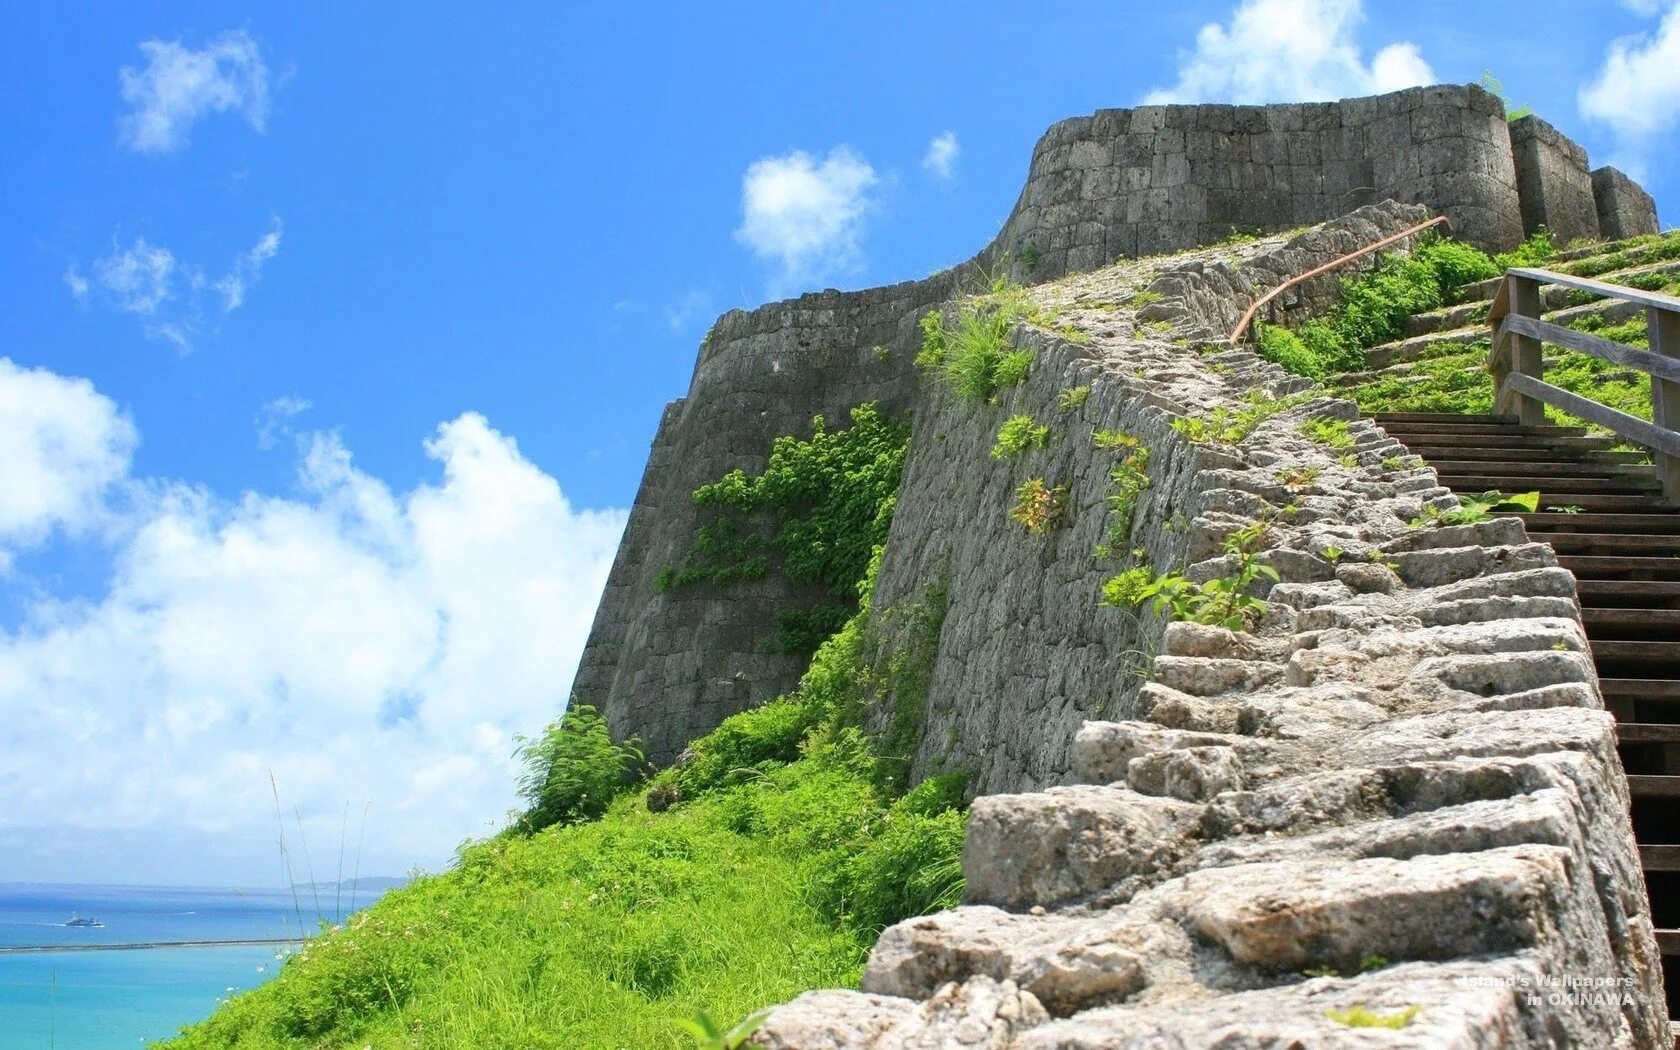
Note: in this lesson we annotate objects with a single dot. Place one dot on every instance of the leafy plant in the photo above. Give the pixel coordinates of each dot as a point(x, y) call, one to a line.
point(1472, 509)
point(1017, 434)
point(709, 1035)
point(1221, 602)
point(974, 354)
point(1074, 397)
point(1128, 477)
point(1231, 426)
point(1332, 432)
point(1038, 507)
point(573, 770)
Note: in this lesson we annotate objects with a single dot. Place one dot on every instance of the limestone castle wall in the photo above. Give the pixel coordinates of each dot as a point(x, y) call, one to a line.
point(1120, 183)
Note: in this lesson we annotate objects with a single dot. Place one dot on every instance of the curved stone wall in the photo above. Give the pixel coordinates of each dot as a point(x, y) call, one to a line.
point(1392, 814)
point(667, 667)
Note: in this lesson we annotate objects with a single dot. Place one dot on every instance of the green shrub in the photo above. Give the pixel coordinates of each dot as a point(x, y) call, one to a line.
point(1038, 507)
point(1017, 434)
point(974, 354)
point(934, 795)
point(911, 866)
point(1539, 248)
point(1456, 264)
point(573, 770)
point(745, 745)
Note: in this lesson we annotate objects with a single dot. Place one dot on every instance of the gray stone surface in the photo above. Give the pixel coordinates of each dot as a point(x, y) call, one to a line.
point(1356, 784)
point(1624, 208)
point(1117, 184)
point(1552, 181)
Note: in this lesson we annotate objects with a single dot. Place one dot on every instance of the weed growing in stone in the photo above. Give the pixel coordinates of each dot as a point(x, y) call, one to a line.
point(1332, 433)
point(1017, 434)
point(1038, 507)
point(1472, 509)
point(1073, 398)
point(1360, 1016)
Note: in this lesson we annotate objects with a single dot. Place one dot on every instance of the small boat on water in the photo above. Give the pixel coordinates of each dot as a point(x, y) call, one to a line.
point(79, 921)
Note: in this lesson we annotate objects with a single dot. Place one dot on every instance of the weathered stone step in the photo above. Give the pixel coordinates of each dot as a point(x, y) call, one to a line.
point(1461, 315)
point(1411, 348)
point(1600, 567)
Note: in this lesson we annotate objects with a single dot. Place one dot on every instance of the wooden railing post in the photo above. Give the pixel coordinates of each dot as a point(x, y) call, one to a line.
point(1663, 329)
point(1525, 357)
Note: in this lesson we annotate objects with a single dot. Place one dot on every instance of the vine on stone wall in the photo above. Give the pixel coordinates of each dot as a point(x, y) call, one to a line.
point(816, 511)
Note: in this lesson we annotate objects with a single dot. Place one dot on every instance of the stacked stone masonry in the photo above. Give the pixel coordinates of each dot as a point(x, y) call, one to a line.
point(1121, 183)
point(1398, 795)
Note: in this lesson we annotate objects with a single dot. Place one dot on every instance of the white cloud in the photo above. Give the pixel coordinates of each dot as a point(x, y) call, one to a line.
point(804, 216)
point(168, 295)
point(247, 269)
point(1637, 91)
point(274, 419)
point(63, 445)
point(77, 284)
point(1646, 8)
point(139, 278)
point(941, 156)
point(179, 86)
point(1290, 51)
point(362, 643)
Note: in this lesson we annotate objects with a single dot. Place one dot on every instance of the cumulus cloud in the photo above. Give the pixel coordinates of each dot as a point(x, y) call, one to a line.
point(64, 445)
point(1637, 90)
point(362, 643)
point(247, 268)
point(806, 217)
point(178, 86)
point(941, 157)
point(1290, 51)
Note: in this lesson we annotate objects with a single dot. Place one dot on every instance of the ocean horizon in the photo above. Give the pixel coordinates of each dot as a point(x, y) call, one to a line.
point(77, 996)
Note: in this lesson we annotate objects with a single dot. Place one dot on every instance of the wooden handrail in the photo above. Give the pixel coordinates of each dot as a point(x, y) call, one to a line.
point(1248, 317)
point(1517, 364)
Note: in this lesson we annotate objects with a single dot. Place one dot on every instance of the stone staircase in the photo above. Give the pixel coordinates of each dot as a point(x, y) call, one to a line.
point(1622, 542)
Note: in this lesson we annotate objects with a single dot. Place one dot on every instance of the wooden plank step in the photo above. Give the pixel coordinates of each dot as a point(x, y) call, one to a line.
point(1603, 568)
point(1637, 651)
point(1441, 417)
point(1482, 481)
point(1482, 430)
point(1621, 623)
point(1653, 786)
point(1608, 543)
point(1648, 690)
point(1528, 452)
point(1647, 522)
point(1668, 942)
point(1625, 593)
point(1659, 858)
point(1647, 733)
point(1500, 441)
point(1545, 468)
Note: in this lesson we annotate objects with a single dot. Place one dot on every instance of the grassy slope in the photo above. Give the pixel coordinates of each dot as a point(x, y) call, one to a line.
point(790, 843)
point(596, 935)
point(1453, 377)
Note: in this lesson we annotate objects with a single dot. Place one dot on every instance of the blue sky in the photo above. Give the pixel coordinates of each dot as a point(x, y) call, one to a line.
point(335, 341)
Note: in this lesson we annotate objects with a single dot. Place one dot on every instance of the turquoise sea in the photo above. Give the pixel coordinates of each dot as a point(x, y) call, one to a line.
point(98, 1000)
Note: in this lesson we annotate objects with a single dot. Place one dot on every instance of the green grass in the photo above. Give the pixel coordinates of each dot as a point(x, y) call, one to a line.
point(600, 935)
